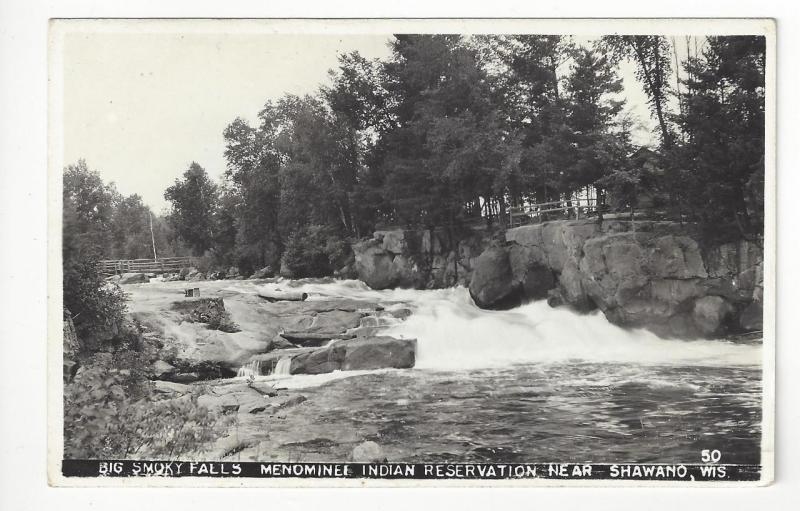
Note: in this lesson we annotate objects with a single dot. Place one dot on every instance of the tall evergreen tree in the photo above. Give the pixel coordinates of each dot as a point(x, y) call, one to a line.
point(723, 118)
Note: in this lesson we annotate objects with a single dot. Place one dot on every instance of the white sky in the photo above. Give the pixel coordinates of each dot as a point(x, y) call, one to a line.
point(140, 107)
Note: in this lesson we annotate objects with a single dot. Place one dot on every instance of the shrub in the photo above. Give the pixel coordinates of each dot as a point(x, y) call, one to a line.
point(110, 411)
point(96, 307)
point(313, 251)
point(210, 311)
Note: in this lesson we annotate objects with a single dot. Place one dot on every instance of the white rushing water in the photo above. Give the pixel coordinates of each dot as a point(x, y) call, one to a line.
point(283, 366)
point(453, 334)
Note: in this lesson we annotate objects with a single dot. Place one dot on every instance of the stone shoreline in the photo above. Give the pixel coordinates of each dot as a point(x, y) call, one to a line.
point(641, 274)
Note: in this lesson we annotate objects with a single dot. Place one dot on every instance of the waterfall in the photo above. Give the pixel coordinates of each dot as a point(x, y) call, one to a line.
point(250, 369)
point(453, 334)
point(283, 367)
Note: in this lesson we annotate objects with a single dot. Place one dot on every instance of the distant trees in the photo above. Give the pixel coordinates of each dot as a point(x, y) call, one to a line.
point(194, 203)
point(451, 130)
point(100, 223)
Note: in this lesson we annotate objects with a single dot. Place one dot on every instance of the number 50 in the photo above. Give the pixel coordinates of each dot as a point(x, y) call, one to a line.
point(710, 456)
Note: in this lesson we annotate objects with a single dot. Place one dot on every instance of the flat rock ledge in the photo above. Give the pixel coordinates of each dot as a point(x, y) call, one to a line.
point(362, 353)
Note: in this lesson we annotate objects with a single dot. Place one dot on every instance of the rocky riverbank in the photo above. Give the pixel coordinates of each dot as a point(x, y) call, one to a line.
point(191, 350)
point(642, 274)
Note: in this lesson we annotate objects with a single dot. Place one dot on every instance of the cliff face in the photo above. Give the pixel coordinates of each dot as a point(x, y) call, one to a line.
point(418, 259)
point(647, 274)
point(644, 274)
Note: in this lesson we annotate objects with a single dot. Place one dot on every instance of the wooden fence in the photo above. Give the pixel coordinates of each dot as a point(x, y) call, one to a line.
point(534, 213)
point(161, 265)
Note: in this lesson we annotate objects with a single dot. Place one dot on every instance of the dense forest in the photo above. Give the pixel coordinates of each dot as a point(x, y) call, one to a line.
point(451, 131)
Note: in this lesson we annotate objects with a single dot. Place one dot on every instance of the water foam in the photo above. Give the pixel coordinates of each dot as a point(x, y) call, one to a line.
point(453, 334)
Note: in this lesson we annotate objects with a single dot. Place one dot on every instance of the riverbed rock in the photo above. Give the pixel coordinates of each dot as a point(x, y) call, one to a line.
point(133, 278)
point(263, 273)
point(493, 285)
point(184, 377)
point(752, 317)
point(378, 353)
point(710, 313)
point(162, 369)
point(170, 388)
point(323, 360)
point(279, 343)
point(195, 276)
point(368, 452)
point(357, 354)
point(286, 401)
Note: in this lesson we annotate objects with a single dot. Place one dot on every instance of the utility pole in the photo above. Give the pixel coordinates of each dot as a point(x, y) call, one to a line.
point(152, 236)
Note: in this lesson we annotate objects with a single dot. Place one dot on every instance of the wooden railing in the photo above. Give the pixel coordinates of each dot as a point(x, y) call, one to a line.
point(161, 265)
point(534, 213)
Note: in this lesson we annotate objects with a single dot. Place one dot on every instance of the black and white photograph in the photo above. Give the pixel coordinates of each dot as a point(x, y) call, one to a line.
point(396, 252)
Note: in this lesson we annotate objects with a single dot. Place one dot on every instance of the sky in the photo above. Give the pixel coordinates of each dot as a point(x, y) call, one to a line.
point(140, 107)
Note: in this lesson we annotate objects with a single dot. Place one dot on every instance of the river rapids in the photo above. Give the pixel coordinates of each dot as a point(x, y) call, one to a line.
point(533, 384)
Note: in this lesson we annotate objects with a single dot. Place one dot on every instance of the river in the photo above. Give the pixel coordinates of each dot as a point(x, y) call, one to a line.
point(530, 384)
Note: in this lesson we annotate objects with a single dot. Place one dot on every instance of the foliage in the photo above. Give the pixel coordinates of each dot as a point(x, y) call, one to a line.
point(101, 223)
point(313, 251)
point(210, 311)
point(723, 119)
point(96, 308)
point(653, 67)
point(110, 411)
point(194, 203)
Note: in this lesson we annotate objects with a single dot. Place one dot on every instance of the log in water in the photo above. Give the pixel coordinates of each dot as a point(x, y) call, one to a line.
point(282, 296)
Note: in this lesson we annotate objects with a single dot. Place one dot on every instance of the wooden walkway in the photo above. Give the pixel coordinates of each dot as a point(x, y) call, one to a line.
point(161, 265)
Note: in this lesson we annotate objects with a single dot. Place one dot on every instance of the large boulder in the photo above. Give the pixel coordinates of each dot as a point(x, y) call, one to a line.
point(493, 285)
point(162, 369)
point(195, 275)
point(374, 265)
point(368, 452)
point(324, 360)
point(380, 268)
point(710, 314)
point(379, 353)
point(752, 317)
point(357, 354)
point(133, 278)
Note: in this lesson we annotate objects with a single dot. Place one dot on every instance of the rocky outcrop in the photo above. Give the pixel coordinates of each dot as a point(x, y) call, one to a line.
point(493, 285)
point(360, 353)
point(133, 278)
point(418, 259)
point(357, 354)
point(210, 311)
point(263, 273)
point(653, 275)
